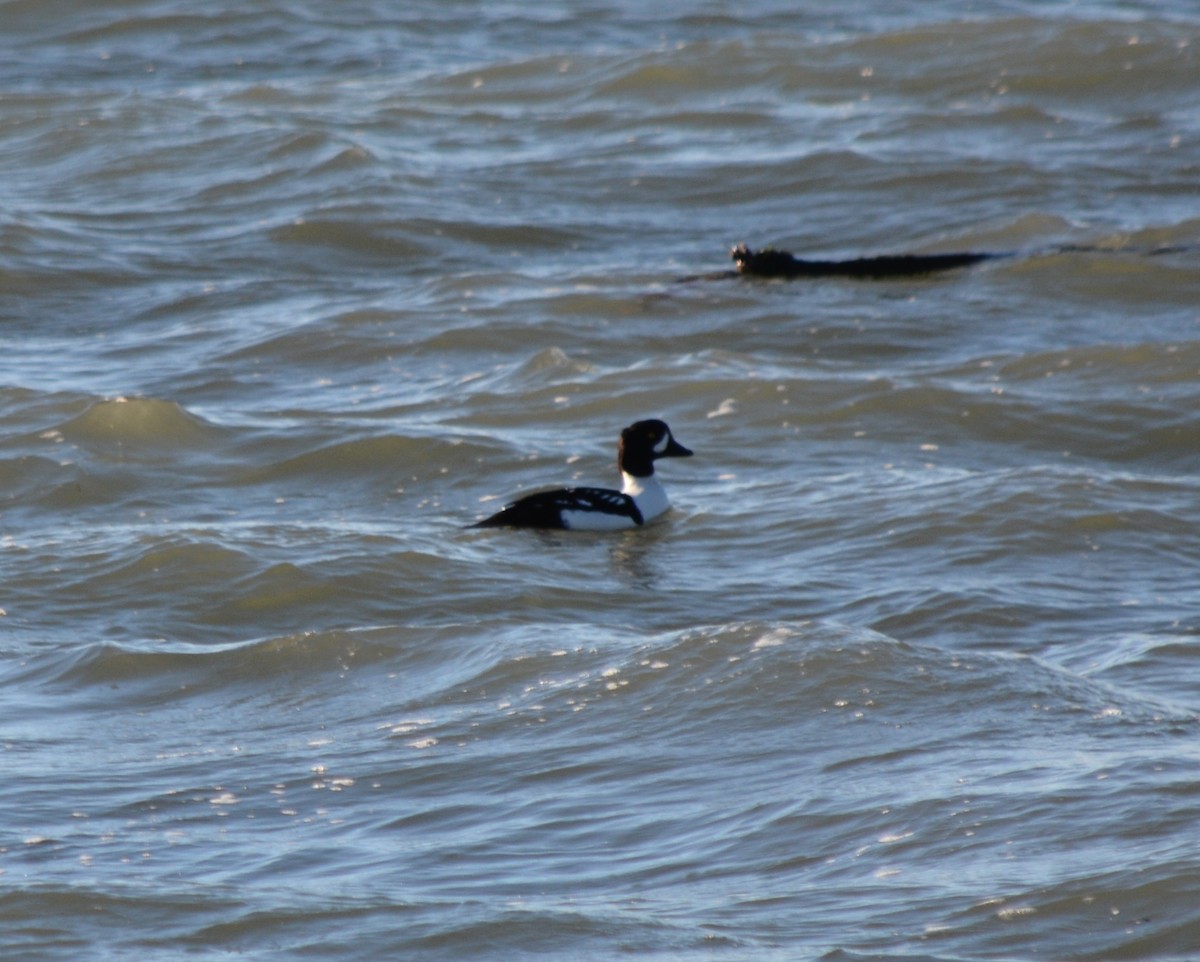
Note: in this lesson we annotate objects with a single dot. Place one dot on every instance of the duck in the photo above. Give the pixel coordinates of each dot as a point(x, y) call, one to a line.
point(641, 499)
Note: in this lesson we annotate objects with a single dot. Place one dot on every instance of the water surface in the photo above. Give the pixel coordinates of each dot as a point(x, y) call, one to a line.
point(290, 295)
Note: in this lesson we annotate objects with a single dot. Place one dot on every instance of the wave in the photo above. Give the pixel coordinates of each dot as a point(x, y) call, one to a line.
point(389, 459)
point(149, 425)
point(730, 678)
point(91, 451)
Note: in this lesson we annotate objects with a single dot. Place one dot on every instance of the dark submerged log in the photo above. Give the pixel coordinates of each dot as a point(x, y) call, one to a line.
point(776, 263)
point(772, 263)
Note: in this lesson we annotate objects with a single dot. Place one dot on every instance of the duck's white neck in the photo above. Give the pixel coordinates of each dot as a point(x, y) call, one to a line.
point(650, 496)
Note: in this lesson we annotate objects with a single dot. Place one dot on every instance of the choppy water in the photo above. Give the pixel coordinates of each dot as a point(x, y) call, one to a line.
point(290, 293)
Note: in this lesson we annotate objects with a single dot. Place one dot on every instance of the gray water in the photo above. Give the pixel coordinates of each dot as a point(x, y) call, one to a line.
point(292, 293)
